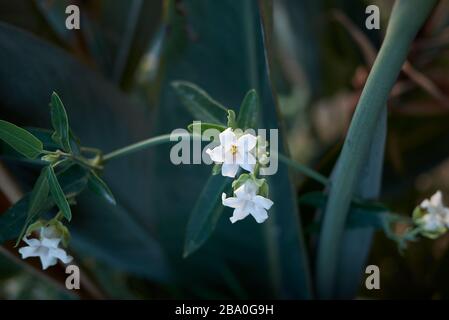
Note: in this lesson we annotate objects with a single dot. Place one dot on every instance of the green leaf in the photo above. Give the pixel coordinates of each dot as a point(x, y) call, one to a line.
point(406, 19)
point(206, 213)
point(57, 193)
point(200, 127)
point(38, 201)
point(60, 123)
point(100, 187)
point(249, 111)
point(199, 103)
point(20, 139)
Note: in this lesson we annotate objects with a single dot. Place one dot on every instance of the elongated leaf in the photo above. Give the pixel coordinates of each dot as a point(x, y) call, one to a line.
point(38, 201)
point(39, 195)
point(205, 215)
point(100, 188)
point(249, 111)
point(57, 193)
point(20, 139)
point(356, 244)
point(400, 33)
point(60, 123)
point(199, 103)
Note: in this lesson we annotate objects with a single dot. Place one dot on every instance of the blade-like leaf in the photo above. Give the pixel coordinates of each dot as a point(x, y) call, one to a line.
point(98, 186)
point(57, 193)
point(20, 139)
point(400, 33)
point(199, 103)
point(249, 111)
point(38, 201)
point(205, 215)
point(60, 123)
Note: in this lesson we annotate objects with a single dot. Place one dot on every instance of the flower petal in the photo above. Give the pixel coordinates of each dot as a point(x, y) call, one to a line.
point(437, 199)
point(50, 243)
point(259, 213)
point(246, 143)
point(31, 242)
point(227, 139)
point(251, 188)
point(239, 214)
point(216, 154)
point(27, 252)
point(47, 261)
point(247, 161)
point(61, 255)
point(263, 202)
point(231, 201)
point(229, 169)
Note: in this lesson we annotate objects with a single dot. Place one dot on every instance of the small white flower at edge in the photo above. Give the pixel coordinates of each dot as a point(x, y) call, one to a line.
point(234, 152)
point(46, 248)
point(437, 215)
point(246, 202)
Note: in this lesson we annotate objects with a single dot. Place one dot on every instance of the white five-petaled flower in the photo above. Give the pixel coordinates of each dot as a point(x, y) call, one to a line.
point(437, 215)
point(246, 202)
point(46, 248)
point(234, 152)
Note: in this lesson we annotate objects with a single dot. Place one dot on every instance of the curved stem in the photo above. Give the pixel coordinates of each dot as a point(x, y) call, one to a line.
point(142, 145)
point(138, 146)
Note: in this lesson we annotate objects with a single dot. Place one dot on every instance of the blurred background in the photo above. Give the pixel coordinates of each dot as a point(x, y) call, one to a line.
point(114, 77)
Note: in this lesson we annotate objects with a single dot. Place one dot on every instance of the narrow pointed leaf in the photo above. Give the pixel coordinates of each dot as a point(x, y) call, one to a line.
point(199, 103)
point(38, 200)
point(98, 186)
point(60, 123)
point(249, 111)
point(400, 33)
point(20, 139)
point(57, 193)
point(206, 213)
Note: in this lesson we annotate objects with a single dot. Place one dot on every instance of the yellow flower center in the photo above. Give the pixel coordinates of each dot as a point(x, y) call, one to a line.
point(233, 149)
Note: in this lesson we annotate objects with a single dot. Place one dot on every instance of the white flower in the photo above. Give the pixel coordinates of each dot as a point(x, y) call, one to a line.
point(234, 152)
point(46, 248)
point(246, 202)
point(436, 216)
point(431, 222)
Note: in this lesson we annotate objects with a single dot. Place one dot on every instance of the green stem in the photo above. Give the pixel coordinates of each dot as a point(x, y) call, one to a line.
point(142, 145)
point(304, 170)
point(406, 19)
point(135, 147)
